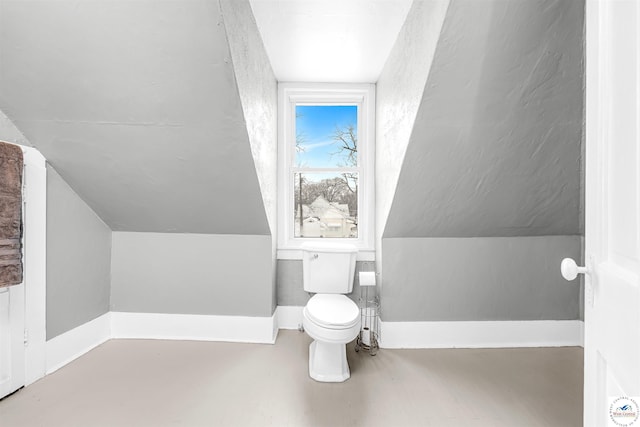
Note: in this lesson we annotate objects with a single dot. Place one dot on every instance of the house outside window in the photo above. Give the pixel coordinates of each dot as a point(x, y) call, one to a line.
point(325, 182)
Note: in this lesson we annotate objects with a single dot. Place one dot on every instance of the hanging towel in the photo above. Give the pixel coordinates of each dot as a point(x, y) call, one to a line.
point(10, 214)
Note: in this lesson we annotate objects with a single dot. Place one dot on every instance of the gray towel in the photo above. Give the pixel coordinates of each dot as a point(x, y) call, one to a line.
point(10, 214)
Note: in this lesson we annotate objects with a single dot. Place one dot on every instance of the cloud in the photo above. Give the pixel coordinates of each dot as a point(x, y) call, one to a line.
point(306, 147)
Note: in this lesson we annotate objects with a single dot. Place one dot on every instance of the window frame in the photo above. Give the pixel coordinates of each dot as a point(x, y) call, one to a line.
point(291, 94)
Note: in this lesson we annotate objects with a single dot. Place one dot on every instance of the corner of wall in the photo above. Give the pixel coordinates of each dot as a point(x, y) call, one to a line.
point(78, 261)
point(399, 92)
point(9, 132)
point(258, 91)
point(257, 88)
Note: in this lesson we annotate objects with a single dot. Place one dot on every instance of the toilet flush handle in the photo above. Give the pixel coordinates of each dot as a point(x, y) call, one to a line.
point(570, 269)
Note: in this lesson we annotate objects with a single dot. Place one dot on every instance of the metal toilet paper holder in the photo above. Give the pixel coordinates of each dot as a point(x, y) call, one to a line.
point(369, 302)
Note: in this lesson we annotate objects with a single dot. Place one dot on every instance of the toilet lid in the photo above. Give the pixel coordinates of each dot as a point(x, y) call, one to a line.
point(332, 310)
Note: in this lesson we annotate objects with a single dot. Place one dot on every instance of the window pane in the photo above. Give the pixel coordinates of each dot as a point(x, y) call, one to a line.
point(326, 205)
point(326, 136)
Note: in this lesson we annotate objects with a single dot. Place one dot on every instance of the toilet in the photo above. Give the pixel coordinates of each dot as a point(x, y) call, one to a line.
point(330, 317)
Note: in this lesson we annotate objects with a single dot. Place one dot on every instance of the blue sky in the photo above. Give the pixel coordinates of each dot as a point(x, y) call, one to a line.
point(317, 124)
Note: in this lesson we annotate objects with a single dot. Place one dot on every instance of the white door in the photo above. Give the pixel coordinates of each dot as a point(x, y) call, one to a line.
point(612, 207)
point(11, 339)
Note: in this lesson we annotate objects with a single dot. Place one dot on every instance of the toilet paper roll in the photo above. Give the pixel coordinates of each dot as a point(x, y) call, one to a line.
point(367, 278)
point(366, 336)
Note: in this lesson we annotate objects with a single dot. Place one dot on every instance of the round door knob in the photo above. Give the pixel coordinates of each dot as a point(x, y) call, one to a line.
point(570, 269)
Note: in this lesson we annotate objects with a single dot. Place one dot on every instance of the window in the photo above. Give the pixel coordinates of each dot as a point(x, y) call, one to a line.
point(325, 180)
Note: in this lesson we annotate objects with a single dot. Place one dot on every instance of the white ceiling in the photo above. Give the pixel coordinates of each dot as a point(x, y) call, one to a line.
point(329, 40)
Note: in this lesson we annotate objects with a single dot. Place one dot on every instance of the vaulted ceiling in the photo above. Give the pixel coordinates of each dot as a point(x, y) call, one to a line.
point(496, 148)
point(148, 109)
point(135, 104)
point(143, 108)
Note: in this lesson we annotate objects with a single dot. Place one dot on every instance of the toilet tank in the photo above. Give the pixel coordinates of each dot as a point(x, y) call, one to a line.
point(328, 268)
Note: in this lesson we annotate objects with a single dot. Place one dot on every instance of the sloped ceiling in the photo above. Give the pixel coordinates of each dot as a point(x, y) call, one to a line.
point(258, 90)
point(135, 104)
point(496, 147)
point(398, 95)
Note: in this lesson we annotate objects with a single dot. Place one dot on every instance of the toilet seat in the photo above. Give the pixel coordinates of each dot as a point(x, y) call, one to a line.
point(332, 311)
point(332, 320)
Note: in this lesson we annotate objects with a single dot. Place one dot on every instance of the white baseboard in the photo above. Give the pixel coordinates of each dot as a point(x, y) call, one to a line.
point(505, 334)
point(194, 327)
point(498, 334)
point(72, 344)
point(289, 317)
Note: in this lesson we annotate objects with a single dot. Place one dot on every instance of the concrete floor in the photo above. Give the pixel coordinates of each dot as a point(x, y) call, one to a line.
point(185, 383)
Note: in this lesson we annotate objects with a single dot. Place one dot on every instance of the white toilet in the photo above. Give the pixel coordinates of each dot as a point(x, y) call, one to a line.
point(330, 317)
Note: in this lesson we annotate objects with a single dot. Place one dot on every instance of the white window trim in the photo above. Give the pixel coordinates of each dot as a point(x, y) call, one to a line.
point(364, 96)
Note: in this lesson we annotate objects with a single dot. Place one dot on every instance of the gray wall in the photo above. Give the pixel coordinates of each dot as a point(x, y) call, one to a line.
point(192, 274)
point(258, 91)
point(290, 287)
point(78, 259)
point(489, 198)
point(475, 279)
point(146, 121)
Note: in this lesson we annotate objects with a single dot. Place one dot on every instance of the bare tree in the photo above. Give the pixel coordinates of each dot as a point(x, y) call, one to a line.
point(332, 189)
point(347, 141)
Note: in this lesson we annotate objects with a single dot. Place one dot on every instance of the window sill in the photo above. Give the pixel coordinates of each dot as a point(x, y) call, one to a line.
point(296, 254)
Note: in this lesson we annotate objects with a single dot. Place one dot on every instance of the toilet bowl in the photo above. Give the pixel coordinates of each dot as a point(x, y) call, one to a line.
point(329, 317)
point(332, 320)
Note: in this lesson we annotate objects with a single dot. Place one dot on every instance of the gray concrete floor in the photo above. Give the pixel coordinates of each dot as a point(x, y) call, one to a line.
point(185, 383)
